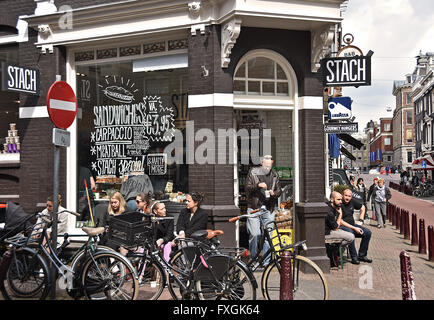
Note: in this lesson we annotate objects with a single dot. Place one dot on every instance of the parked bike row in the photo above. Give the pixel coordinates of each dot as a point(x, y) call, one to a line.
point(199, 268)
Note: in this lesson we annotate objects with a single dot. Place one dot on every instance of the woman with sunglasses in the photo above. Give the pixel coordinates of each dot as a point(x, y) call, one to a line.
point(143, 201)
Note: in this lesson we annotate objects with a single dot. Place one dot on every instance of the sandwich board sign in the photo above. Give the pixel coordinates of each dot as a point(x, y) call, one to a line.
point(339, 108)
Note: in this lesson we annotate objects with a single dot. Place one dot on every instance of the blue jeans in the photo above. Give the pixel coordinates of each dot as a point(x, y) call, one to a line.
point(364, 244)
point(255, 233)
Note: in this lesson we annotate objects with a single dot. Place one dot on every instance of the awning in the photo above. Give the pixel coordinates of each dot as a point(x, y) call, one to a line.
point(350, 140)
point(334, 144)
point(348, 154)
point(423, 163)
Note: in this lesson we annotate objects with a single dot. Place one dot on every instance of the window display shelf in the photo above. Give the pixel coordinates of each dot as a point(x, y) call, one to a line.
point(9, 159)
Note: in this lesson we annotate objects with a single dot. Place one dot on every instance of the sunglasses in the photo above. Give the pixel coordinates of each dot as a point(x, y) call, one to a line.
point(138, 201)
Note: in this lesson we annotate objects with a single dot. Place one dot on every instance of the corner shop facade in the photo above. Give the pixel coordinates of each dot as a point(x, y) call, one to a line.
point(222, 64)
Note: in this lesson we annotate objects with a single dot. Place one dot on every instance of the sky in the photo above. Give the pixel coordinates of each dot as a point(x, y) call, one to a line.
point(396, 31)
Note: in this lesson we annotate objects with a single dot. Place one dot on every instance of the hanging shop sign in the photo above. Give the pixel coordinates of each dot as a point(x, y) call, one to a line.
point(339, 108)
point(349, 68)
point(341, 127)
point(348, 71)
point(20, 79)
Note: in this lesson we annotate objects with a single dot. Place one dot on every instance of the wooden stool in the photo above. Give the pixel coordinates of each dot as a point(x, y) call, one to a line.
point(339, 243)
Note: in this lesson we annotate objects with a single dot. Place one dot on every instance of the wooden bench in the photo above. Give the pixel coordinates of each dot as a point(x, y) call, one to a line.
point(339, 243)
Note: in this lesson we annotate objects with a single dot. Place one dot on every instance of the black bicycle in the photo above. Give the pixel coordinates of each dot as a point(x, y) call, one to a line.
point(308, 281)
point(195, 273)
point(94, 273)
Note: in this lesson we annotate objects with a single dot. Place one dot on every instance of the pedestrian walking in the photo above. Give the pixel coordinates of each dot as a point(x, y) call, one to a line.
point(381, 197)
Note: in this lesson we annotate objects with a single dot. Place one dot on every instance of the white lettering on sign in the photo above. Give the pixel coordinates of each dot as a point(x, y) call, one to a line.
point(21, 79)
point(346, 71)
point(123, 132)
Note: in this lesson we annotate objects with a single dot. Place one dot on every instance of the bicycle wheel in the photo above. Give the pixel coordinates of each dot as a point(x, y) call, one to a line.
point(179, 262)
point(309, 282)
point(152, 280)
point(234, 281)
point(27, 277)
point(109, 276)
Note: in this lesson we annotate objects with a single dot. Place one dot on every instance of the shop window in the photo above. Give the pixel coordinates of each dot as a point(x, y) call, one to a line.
point(9, 111)
point(126, 119)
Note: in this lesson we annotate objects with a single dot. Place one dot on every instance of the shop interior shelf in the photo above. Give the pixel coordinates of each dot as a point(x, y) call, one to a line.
point(9, 159)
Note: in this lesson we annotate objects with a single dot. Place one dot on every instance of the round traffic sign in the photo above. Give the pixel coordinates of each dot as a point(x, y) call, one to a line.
point(61, 104)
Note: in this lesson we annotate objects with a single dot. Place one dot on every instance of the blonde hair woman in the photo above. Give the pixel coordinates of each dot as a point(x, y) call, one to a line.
point(117, 204)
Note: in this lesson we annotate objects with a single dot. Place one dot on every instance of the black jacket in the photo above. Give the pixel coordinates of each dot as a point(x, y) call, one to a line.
point(199, 221)
point(255, 195)
point(165, 230)
point(330, 220)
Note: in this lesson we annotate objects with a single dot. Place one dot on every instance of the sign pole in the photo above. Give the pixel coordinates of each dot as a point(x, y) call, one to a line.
point(55, 210)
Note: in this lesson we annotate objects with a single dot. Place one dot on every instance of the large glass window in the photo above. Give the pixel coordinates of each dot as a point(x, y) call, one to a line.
point(125, 121)
point(9, 106)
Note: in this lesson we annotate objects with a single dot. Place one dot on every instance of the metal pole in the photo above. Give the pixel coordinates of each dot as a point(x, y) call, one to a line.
point(55, 218)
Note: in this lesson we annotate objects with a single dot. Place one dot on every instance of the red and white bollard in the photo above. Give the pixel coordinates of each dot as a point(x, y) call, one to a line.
point(285, 276)
point(407, 279)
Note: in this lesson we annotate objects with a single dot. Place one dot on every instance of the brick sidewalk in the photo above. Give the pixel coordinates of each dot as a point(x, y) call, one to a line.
point(385, 247)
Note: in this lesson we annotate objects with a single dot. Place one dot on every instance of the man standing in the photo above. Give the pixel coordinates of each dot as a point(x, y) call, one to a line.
point(382, 196)
point(262, 189)
point(334, 220)
point(348, 224)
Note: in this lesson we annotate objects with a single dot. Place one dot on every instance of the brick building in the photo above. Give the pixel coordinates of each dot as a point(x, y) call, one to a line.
point(147, 73)
point(381, 144)
point(403, 125)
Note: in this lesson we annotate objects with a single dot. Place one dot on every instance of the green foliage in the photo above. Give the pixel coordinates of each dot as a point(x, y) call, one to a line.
point(340, 188)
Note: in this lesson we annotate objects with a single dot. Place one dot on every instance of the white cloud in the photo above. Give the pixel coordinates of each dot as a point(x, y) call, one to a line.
point(396, 30)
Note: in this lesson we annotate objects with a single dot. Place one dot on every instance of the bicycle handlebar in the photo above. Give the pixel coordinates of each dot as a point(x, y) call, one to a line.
point(245, 215)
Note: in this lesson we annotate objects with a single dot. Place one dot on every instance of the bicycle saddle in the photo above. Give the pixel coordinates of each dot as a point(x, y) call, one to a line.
point(93, 231)
point(201, 235)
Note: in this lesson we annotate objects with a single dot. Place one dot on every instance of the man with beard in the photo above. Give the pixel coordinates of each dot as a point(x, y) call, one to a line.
point(262, 189)
point(334, 220)
point(348, 224)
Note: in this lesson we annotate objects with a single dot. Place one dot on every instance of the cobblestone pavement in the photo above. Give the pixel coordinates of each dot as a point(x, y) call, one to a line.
point(385, 247)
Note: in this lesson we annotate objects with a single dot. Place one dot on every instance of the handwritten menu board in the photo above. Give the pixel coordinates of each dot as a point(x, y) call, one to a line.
point(126, 128)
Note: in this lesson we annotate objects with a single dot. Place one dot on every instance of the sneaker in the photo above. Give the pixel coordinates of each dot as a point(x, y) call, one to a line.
point(379, 226)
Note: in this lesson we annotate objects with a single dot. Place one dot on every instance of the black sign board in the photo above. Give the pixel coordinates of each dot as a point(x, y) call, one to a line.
point(341, 127)
point(348, 71)
point(20, 79)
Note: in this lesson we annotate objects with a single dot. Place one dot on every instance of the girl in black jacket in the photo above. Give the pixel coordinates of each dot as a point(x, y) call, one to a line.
point(192, 218)
point(164, 230)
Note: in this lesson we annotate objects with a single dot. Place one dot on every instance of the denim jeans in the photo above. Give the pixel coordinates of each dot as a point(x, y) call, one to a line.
point(364, 244)
point(255, 233)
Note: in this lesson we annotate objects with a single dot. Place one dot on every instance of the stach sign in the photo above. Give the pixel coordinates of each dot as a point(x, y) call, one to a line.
point(346, 71)
point(20, 79)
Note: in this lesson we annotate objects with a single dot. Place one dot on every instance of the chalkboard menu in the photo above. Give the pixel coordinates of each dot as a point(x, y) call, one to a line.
point(128, 122)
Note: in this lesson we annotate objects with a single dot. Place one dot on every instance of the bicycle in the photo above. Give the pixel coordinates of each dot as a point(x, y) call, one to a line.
point(95, 273)
point(308, 281)
point(203, 275)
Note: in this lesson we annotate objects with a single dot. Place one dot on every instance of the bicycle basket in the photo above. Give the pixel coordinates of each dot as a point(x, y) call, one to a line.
point(129, 229)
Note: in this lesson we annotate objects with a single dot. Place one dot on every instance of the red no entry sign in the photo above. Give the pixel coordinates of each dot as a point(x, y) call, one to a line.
point(61, 104)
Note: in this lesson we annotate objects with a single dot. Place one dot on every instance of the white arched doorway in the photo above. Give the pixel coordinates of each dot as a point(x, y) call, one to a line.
point(265, 92)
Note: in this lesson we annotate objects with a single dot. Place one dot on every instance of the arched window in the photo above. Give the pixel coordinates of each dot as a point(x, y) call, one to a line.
point(264, 77)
